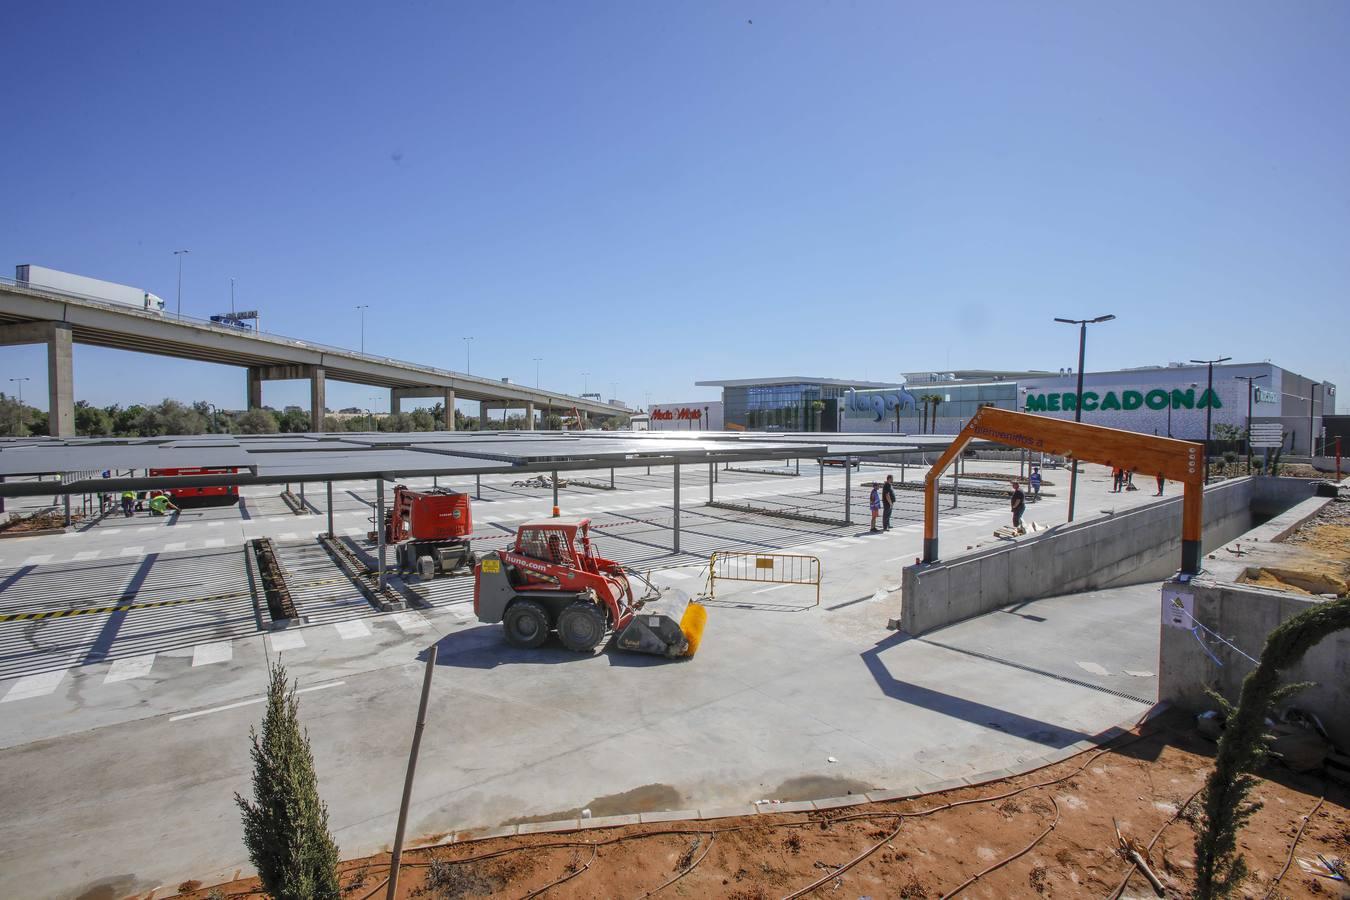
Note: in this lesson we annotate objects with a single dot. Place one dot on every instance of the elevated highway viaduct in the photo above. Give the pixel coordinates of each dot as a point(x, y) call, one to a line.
point(34, 315)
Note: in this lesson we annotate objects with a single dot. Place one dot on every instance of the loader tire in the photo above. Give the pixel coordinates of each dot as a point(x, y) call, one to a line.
point(581, 626)
point(526, 624)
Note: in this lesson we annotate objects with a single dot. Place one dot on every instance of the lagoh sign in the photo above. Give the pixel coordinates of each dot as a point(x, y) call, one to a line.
point(1157, 399)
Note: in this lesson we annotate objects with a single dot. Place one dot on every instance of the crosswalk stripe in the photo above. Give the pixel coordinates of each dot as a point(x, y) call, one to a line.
point(286, 640)
point(132, 551)
point(216, 652)
point(31, 686)
point(349, 630)
point(37, 560)
point(411, 621)
point(129, 668)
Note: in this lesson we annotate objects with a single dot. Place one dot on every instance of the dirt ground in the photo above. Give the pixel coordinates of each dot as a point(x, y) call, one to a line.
point(1320, 561)
point(1050, 833)
point(39, 521)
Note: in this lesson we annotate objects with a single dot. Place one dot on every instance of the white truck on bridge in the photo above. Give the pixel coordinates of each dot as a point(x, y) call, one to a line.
point(93, 288)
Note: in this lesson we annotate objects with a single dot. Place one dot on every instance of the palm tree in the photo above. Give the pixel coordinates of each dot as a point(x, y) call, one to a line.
point(937, 399)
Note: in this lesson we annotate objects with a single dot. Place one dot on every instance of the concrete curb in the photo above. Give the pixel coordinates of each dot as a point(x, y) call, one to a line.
point(807, 806)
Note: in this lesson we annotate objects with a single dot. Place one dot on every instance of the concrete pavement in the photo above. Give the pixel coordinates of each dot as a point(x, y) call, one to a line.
point(142, 768)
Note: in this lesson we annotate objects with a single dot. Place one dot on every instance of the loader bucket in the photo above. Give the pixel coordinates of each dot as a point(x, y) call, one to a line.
point(671, 626)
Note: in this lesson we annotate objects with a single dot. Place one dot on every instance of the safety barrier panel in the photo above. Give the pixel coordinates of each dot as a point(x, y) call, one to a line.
point(767, 568)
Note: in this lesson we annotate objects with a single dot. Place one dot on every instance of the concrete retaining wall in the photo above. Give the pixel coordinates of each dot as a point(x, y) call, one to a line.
point(1132, 547)
point(1245, 615)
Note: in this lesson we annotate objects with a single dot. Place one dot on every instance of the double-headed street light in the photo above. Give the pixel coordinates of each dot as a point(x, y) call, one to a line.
point(468, 355)
point(1209, 402)
point(1251, 389)
point(1078, 396)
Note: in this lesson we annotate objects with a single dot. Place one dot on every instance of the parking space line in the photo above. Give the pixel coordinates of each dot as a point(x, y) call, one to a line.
point(132, 551)
point(175, 547)
point(37, 560)
point(214, 542)
point(131, 667)
point(249, 702)
point(85, 555)
point(31, 686)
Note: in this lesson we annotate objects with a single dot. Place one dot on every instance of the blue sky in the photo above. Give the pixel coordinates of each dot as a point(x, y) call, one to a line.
point(657, 193)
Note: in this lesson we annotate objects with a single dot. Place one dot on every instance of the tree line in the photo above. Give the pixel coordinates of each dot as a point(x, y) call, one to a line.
point(172, 417)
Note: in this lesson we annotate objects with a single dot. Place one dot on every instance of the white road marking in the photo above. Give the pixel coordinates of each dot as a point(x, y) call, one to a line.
point(131, 667)
point(132, 551)
point(87, 555)
point(1092, 667)
point(214, 542)
point(214, 524)
point(216, 709)
point(217, 652)
point(286, 640)
point(1139, 674)
point(184, 525)
point(349, 630)
point(37, 560)
point(288, 536)
point(411, 621)
point(776, 587)
point(31, 686)
point(144, 529)
point(277, 519)
point(175, 547)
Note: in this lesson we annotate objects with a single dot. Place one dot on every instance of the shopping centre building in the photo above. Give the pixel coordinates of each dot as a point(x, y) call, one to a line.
point(1165, 400)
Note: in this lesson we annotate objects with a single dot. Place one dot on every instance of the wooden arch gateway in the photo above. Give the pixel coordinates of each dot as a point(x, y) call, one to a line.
point(1146, 454)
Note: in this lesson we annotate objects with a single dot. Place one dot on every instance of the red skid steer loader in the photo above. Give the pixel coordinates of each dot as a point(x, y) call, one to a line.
point(550, 578)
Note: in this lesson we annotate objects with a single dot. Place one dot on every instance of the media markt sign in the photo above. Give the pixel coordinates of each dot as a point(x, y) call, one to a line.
point(1156, 399)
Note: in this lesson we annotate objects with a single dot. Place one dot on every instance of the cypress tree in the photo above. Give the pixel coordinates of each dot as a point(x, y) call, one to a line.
point(286, 824)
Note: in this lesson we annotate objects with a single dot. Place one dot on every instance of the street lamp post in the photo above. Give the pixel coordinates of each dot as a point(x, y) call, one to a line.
point(1078, 396)
point(1312, 440)
point(468, 355)
point(19, 413)
point(586, 388)
point(180, 254)
point(537, 361)
point(1251, 389)
point(1209, 402)
point(362, 310)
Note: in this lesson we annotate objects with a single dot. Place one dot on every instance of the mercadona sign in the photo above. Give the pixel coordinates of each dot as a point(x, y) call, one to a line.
point(1124, 400)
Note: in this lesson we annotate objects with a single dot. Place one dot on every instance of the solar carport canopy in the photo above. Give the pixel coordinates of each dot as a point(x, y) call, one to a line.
point(278, 459)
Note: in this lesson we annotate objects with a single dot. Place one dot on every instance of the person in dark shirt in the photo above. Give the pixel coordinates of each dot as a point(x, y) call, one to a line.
point(1019, 505)
point(887, 501)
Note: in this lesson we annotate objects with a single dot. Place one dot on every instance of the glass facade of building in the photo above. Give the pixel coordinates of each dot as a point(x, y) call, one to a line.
point(777, 407)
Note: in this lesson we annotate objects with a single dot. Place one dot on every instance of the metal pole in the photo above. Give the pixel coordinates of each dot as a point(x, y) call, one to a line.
point(302, 493)
point(1209, 414)
point(394, 859)
point(1312, 444)
point(956, 485)
point(848, 490)
point(478, 487)
point(379, 527)
point(799, 465)
point(556, 511)
point(821, 463)
point(331, 534)
point(712, 472)
point(1077, 415)
point(1251, 389)
point(611, 478)
point(676, 521)
point(67, 499)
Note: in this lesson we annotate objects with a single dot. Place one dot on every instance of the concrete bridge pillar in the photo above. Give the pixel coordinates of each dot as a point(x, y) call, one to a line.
point(395, 401)
point(255, 380)
point(482, 415)
point(60, 369)
point(449, 402)
point(61, 383)
point(529, 415)
point(316, 398)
